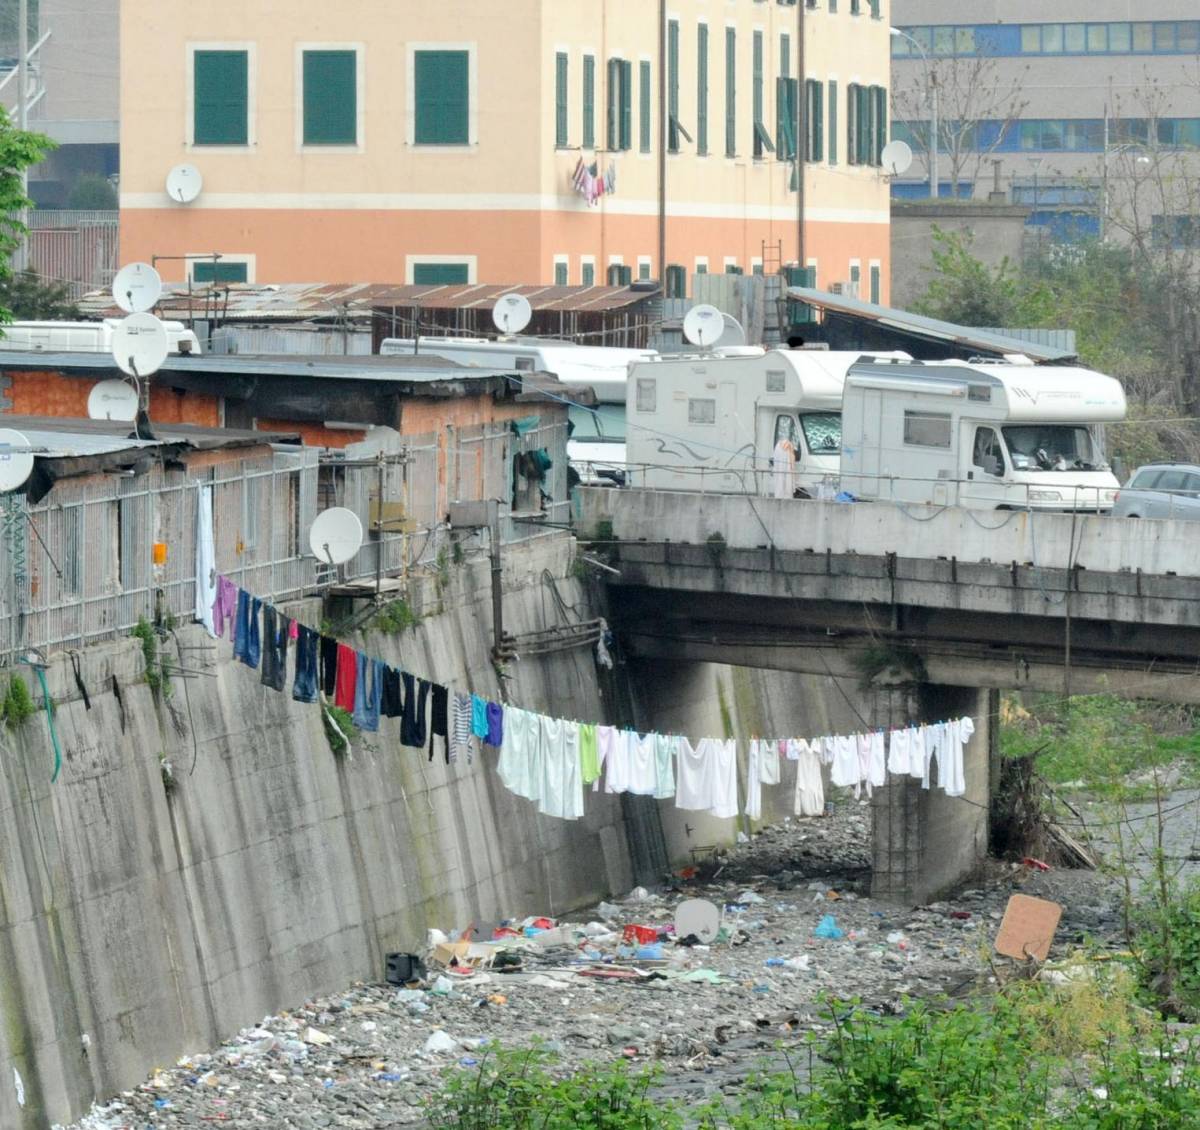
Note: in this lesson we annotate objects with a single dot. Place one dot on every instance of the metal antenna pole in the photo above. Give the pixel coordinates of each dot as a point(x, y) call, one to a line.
point(22, 255)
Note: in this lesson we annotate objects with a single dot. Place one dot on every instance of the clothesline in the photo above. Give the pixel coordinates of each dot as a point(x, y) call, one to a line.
point(551, 761)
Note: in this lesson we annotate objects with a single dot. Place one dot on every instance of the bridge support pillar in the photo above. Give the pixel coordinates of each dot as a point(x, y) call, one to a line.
point(925, 842)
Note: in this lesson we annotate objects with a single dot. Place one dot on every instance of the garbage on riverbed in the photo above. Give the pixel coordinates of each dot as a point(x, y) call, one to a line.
point(828, 928)
point(1028, 927)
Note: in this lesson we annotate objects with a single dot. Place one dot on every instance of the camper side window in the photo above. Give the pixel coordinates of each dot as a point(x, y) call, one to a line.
point(526, 364)
point(988, 454)
point(785, 428)
point(927, 429)
point(702, 411)
point(646, 394)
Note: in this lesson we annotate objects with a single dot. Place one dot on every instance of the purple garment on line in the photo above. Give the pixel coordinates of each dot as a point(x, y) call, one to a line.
point(495, 718)
point(225, 605)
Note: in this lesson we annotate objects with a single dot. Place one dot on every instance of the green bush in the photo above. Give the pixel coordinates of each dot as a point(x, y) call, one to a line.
point(339, 729)
point(156, 673)
point(395, 617)
point(18, 702)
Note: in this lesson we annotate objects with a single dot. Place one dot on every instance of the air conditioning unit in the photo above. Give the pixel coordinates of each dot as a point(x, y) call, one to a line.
point(845, 289)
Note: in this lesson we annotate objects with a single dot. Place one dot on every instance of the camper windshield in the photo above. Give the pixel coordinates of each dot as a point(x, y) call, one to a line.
point(822, 432)
point(604, 424)
point(1052, 447)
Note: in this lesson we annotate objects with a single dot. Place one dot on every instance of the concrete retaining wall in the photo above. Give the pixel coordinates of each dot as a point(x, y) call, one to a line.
point(158, 923)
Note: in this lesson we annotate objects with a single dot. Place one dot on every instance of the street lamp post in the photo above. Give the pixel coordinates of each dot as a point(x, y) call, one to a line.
point(932, 87)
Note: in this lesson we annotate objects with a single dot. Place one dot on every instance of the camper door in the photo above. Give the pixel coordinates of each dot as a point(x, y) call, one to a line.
point(986, 474)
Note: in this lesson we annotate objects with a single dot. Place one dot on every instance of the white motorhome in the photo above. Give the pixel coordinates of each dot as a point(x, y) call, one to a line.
point(988, 435)
point(712, 421)
point(83, 337)
point(597, 445)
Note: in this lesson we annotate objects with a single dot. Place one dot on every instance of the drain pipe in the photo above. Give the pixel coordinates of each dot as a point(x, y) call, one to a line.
point(663, 132)
point(801, 120)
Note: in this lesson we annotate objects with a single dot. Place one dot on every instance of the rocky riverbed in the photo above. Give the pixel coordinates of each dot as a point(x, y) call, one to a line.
point(370, 1057)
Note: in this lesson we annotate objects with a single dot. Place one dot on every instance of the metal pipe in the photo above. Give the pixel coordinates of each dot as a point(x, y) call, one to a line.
point(23, 117)
point(799, 142)
point(663, 129)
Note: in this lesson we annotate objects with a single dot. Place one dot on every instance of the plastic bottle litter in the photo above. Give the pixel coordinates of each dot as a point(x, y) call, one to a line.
point(652, 952)
point(828, 928)
point(896, 937)
point(799, 963)
point(442, 987)
point(751, 898)
point(439, 1043)
point(638, 894)
point(775, 962)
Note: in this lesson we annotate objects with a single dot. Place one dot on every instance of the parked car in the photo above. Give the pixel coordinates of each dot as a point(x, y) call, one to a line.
point(1161, 490)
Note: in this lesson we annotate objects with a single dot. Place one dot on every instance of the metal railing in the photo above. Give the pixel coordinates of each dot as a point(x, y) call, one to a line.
point(80, 566)
point(76, 248)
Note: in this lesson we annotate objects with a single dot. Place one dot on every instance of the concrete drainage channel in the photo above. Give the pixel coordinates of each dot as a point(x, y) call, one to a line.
point(613, 982)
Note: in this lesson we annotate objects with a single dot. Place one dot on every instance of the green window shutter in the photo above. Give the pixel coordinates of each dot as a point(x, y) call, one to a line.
point(702, 89)
point(587, 274)
point(560, 99)
point(881, 123)
point(644, 106)
point(785, 115)
point(330, 98)
point(819, 121)
point(733, 269)
point(673, 86)
point(439, 274)
point(218, 272)
point(730, 92)
point(865, 125)
point(626, 70)
point(850, 151)
point(441, 85)
point(589, 102)
point(756, 90)
point(221, 97)
point(614, 103)
point(676, 281)
point(560, 274)
point(833, 122)
point(875, 285)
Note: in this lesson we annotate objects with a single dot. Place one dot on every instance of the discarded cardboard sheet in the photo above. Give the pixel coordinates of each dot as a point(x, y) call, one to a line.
point(448, 954)
point(1027, 929)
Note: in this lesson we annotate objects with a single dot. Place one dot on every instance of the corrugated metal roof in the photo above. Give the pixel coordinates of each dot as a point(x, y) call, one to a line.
point(292, 301)
point(1056, 339)
point(63, 438)
point(920, 326)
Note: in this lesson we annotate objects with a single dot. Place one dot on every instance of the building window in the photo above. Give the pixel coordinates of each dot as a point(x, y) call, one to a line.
point(732, 268)
point(619, 274)
point(673, 86)
point(785, 115)
point(875, 283)
point(676, 281)
point(644, 99)
point(440, 274)
point(587, 272)
point(560, 271)
point(220, 271)
point(1180, 231)
point(221, 98)
point(866, 124)
point(702, 410)
point(927, 429)
point(647, 394)
point(814, 121)
point(589, 101)
point(643, 267)
point(762, 139)
point(701, 265)
point(560, 100)
point(441, 97)
point(620, 105)
point(833, 122)
point(855, 279)
point(330, 97)
point(702, 90)
point(730, 92)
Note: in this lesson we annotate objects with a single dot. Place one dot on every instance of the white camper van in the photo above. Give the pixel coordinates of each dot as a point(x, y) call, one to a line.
point(83, 337)
point(987, 435)
point(597, 445)
point(712, 421)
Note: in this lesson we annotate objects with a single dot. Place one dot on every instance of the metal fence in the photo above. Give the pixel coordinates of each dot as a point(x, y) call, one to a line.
point(79, 249)
point(80, 565)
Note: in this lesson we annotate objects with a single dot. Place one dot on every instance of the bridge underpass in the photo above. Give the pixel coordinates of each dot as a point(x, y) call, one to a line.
point(937, 608)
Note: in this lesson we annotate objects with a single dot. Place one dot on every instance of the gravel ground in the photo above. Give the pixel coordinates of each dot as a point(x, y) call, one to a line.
point(359, 1059)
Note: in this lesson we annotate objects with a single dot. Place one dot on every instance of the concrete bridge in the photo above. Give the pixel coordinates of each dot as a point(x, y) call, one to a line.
point(941, 606)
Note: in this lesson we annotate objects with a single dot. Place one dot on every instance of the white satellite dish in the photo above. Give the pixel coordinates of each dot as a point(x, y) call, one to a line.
point(896, 158)
point(136, 287)
point(140, 345)
point(112, 400)
point(704, 325)
point(336, 535)
point(16, 459)
point(512, 313)
point(184, 183)
point(732, 333)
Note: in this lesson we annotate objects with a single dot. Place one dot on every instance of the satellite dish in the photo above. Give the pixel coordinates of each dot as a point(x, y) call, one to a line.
point(336, 535)
point(896, 158)
point(112, 400)
point(140, 345)
point(136, 287)
point(512, 313)
point(184, 183)
point(732, 334)
point(16, 459)
point(704, 325)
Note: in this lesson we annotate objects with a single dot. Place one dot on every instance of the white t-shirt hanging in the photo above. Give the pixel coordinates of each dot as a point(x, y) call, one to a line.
point(768, 765)
point(519, 765)
point(916, 753)
point(619, 769)
point(809, 798)
point(876, 761)
point(694, 774)
point(898, 751)
point(643, 780)
point(954, 780)
point(846, 769)
point(562, 776)
point(725, 790)
point(754, 781)
point(664, 765)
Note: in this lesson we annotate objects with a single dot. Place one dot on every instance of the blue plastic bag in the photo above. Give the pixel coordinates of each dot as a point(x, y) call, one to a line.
point(828, 928)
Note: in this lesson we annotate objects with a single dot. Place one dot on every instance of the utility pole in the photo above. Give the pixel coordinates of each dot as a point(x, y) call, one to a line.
point(23, 115)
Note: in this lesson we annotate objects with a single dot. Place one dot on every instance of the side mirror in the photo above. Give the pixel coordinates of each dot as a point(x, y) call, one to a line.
point(991, 465)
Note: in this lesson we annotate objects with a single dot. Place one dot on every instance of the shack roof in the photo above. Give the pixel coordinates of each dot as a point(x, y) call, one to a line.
point(916, 328)
point(256, 302)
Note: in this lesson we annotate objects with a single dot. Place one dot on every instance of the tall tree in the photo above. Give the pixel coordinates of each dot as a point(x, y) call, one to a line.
point(18, 151)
